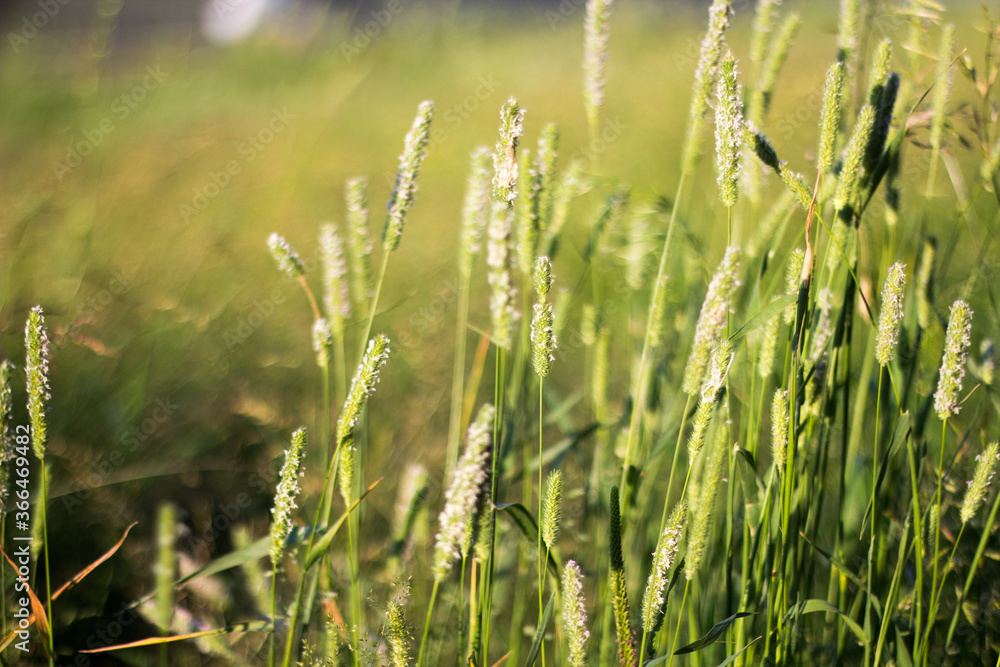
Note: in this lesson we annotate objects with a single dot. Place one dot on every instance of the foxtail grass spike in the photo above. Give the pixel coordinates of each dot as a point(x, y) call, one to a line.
point(704, 78)
point(702, 524)
point(654, 599)
point(542, 192)
point(979, 485)
point(288, 260)
point(847, 29)
point(359, 238)
point(543, 277)
point(850, 172)
point(362, 385)
point(892, 313)
point(830, 116)
point(956, 350)
point(475, 209)
point(552, 508)
point(543, 340)
point(768, 347)
point(397, 630)
point(505, 153)
point(285, 498)
point(728, 132)
point(414, 152)
point(336, 298)
point(574, 614)
point(595, 55)
point(880, 128)
point(942, 89)
point(322, 340)
point(712, 319)
point(779, 428)
point(619, 591)
point(345, 472)
point(502, 293)
point(763, 24)
point(879, 72)
point(36, 342)
point(463, 493)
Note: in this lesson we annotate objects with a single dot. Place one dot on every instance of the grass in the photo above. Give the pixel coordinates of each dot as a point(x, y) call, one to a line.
point(181, 361)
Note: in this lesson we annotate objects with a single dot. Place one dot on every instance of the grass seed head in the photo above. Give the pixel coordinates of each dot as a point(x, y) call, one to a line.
point(595, 54)
point(793, 279)
point(397, 629)
point(891, 316)
point(358, 238)
point(850, 171)
point(777, 54)
point(988, 361)
point(847, 29)
point(288, 260)
point(403, 194)
point(956, 350)
point(768, 347)
point(779, 428)
point(712, 319)
point(463, 493)
point(575, 614)
point(498, 260)
point(552, 508)
point(667, 546)
point(322, 339)
point(285, 497)
point(829, 122)
point(728, 132)
point(475, 209)
point(362, 385)
point(505, 153)
point(345, 472)
point(979, 485)
point(704, 77)
point(36, 343)
point(702, 525)
point(336, 299)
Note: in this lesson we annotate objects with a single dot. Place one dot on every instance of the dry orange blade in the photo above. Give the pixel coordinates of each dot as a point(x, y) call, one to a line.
point(242, 627)
point(78, 577)
point(37, 608)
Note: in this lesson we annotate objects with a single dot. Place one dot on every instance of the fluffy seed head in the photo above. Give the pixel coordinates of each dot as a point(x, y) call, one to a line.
point(847, 30)
point(362, 386)
point(763, 23)
point(722, 359)
point(619, 591)
point(322, 339)
point(663, 559)
point(358, 238)
point(704, 77)
point(986, 466)
point(850, 172)
point(728, 132)
point(942, 90)
point(712, 319)
point(892, 313)
point(956, 350)
point(574, 614)
point(475, 210)
point(463, 494)
point(552, 509)
point(288, 260)
point(698, 537)
point(595, 54)
point(543, 339)
point(830, 116)
point(397, 630)
point(543, 277)
point(414, 152)
point(505, 154)
point(284, 499)
point(768, 348)
point(36, 343)
point(336, 301)
point(779, 428)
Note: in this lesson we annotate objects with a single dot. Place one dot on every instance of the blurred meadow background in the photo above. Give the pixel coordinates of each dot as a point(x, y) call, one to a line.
point(145, 164)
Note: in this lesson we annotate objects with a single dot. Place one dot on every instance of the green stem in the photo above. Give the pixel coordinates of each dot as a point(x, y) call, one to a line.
point(427, 623)
point(45, 553)
point(869, 619)
point(541, 563)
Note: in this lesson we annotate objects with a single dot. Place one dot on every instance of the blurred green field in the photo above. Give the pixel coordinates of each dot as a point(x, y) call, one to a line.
point(150, 260)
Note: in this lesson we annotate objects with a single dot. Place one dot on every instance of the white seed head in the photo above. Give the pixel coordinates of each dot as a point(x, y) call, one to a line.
point(892, 313)
point(728, 132)
point(336, 299)
point(414, 152)
point(712, 319)
point(284, 498)
point(574, 614)
point(475, 210)
point(287, 259)
point(36, 343)
point(595, 53)
point(663, 559)
point(830, 116)
point(358, 238)
point(543, 339)
point(498, 260)
point(979, 485)
point(322, 339)
point(779, 428)
point(505, 153)
point(362, 386)
point(956, 350)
